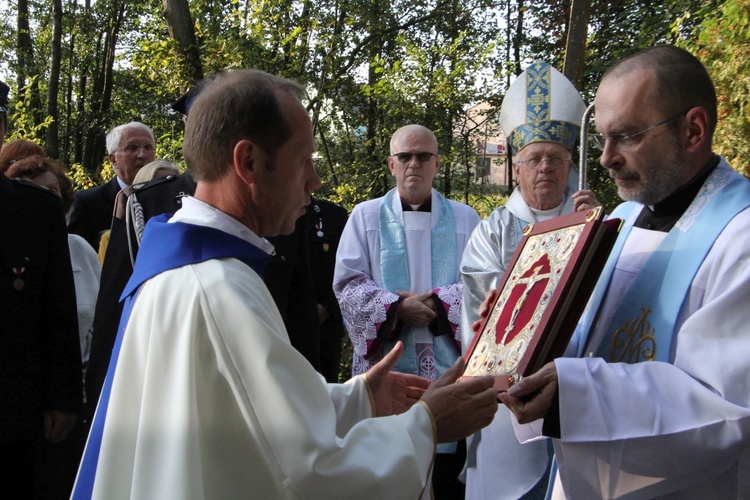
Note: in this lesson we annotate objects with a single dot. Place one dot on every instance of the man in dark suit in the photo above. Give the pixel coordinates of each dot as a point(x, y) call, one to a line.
point(40, 357)
point(325, 222)
point(130, 147)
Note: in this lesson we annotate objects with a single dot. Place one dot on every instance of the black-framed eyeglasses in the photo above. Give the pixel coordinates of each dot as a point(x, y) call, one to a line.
point(624, 142)
point(133, 148)
point(553, 162)
point(422, 157)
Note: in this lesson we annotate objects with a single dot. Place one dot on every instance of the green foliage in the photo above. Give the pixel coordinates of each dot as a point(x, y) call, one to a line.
point(724, 47)
point(24, 124)
point(80, 178)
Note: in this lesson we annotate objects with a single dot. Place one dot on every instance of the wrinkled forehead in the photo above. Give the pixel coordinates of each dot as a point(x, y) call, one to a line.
point(135, 135)
point(543, 148)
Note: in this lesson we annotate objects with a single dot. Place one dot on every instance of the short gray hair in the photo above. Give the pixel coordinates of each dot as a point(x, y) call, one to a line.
point(114, 136)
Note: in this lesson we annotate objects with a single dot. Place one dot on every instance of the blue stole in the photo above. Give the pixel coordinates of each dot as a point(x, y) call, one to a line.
point(643, 327)
point(164, 247)
point(394, 270)
point(393, 259)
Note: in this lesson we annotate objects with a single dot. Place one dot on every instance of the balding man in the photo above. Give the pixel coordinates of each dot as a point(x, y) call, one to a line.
point(206, 397)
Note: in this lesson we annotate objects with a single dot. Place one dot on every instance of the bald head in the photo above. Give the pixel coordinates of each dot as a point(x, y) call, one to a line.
point(411, 130)
point(414, 162)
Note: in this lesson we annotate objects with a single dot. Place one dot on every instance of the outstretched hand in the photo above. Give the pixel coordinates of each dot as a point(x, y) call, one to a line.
point(484, 309)
point(394, 392)
point(460, 409)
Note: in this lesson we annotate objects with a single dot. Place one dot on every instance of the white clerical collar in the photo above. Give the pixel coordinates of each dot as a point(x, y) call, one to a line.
point(196, 212)
point(542, 215)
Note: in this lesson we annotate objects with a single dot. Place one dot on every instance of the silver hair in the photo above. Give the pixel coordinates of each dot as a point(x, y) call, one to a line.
point(114, 136)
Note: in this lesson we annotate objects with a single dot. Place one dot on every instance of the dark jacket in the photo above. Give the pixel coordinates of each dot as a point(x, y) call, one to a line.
point(92, 212)
point(40, 357)
point(325, 223)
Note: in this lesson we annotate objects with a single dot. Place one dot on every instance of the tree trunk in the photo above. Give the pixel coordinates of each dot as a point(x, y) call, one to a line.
point(519, 40)
point(182, 29)
point(27, 71)
point(575, 49)
point(53, 146)
point(101, 95)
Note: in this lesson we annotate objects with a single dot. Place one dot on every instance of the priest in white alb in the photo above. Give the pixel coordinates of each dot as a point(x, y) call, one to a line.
point(205, 396)
point(541, 116)
point(397, 277)
point(654, 398)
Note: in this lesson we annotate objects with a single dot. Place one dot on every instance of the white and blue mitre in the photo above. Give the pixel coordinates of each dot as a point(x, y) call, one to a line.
point(543, 106)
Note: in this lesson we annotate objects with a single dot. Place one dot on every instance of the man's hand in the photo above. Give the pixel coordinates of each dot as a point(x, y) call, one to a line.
point(530, 399)
point(460, 409)
point(584, 200)
point(394, 392)
point(484, 309)
point(58, 424)
point(417, 309)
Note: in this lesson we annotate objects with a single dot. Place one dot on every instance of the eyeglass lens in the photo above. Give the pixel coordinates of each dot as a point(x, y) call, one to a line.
point(134, 148)
point(553, 162)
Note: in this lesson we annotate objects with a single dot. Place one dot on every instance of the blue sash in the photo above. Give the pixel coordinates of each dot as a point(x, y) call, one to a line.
point(393, 260)
point(395, 274)
point(644, 324)
point(165, 247)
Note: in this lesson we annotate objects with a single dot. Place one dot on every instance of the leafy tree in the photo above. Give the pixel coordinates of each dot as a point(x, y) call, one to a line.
point(724, 47)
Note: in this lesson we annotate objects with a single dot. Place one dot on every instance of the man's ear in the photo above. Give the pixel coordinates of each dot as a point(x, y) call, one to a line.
point(246, 160)
point(516, 169)
point(112, 157)
point(697, 128)
point(390, 165)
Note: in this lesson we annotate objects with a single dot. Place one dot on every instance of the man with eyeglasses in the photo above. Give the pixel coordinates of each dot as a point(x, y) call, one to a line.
point(397, 279)
point(130, 146)
point(653, 400)
point(541, 116)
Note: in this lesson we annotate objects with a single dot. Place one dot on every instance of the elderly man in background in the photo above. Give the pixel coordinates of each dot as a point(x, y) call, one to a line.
point(130, 147)
point(397, 276)
point(206, 397)
point(541, 116)
point(656, 403)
